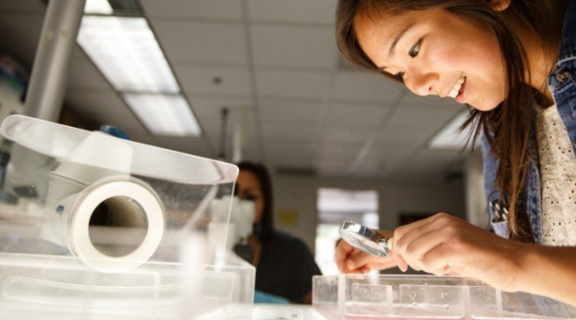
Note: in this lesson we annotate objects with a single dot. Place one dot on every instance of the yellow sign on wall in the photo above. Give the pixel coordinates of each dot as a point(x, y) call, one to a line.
point(287, 218)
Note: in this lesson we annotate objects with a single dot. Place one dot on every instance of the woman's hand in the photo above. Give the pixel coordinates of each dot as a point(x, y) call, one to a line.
point(443, 244)
point(352, 260)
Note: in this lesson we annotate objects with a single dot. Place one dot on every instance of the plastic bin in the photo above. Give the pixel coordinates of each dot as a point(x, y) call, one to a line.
point(105, 228)
point(411, 297)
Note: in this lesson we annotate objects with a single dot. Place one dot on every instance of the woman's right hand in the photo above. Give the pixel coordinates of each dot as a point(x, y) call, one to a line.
point(352, 260)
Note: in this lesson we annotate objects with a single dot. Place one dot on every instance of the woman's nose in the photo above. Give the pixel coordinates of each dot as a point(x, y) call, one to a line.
point(423, 84)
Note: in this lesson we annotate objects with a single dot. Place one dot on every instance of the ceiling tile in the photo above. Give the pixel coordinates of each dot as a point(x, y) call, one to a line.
point(189, 145)
point(104, 107)
point(282, 46)
point(297, 160)
point(439, 157)
point(338, 151)
point(292, 84)
point(202, 42)
point(308, 11)
point(22, 5)
point(19, 34)
point(366, 86)
point(345, 134)
point(83, 74)
point(287, 131)
point(356, 115)
point(421, 116)
point(304, 113)
point(429, 165)
point(213, 80)
point(388, 158)
point(405, 136)
point(209, 114)
point(212, 107)
point(212, 9)
point(251, 153)
point(333, 167)
point(277, 149)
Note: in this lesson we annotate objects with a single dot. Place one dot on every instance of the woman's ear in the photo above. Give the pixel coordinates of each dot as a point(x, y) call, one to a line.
point(499, 5)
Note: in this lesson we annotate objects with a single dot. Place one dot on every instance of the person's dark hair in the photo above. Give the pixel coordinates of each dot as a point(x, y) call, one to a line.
point(261, 173)
point(508, 127)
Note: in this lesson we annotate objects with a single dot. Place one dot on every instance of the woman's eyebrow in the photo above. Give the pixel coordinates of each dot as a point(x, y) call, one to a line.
point(397, 39)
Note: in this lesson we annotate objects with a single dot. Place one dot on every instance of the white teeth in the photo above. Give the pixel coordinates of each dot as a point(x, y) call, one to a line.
point(453, 93)
point(457, 86)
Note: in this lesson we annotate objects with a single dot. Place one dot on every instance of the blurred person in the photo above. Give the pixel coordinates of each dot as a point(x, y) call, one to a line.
point(284, 264)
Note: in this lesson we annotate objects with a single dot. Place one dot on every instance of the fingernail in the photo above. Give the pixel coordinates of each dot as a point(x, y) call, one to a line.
point(351, 264)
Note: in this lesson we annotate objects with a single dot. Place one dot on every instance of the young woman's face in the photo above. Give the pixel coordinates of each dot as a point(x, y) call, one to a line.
point(437, 53)
point(249, 188)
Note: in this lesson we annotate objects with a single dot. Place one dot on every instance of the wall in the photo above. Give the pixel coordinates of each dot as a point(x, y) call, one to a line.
point(298, 193)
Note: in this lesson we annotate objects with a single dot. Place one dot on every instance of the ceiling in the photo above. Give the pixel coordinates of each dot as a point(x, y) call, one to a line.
point(279, 67)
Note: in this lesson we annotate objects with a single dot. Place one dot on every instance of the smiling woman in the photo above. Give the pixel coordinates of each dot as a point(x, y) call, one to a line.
point(511, 62)
point(432, 55)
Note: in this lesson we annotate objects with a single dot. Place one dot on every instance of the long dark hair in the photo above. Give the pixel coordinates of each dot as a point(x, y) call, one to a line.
point(510, 126)
point(259, 170)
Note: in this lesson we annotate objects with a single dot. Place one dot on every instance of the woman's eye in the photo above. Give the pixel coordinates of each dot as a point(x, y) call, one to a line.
point(415, 49)
point(249, 197)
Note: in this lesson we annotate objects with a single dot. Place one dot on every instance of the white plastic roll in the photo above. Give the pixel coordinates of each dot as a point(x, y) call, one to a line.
point(78, 209)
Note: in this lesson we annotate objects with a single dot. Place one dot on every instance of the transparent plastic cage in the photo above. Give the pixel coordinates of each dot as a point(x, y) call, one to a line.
point(426, 297)
point(93, 226)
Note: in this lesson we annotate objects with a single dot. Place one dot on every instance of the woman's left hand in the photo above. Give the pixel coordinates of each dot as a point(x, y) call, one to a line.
point(444, 244)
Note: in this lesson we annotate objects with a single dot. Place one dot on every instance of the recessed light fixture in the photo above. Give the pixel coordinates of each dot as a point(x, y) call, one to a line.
point(163, 114)
point(127, 53)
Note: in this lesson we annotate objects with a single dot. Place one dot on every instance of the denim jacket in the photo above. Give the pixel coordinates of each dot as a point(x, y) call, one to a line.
point(562, 84)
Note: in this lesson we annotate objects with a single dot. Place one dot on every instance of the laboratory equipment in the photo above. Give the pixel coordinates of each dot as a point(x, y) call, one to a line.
point(407, 297)
point(105, 228)
point(365, 239)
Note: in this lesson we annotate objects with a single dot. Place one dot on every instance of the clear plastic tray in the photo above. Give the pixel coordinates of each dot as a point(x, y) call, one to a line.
point(92, 226)
point(426, 297)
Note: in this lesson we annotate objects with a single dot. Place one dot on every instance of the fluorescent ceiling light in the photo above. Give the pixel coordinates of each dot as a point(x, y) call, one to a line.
point(449, 137)
point(165, 115)
point(98, 7)
point(127, 53)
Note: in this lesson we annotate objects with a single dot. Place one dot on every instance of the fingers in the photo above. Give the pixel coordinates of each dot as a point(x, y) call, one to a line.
point(382, 263)
point(413, 241)
point(411, 236)
point(402, 265)
point(414, 251)
point(342, 251)
point(359, 260)
point(406, 229)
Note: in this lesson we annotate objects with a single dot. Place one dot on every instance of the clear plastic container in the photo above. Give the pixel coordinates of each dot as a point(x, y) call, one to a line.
point(93, 226)
point(426, 297)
